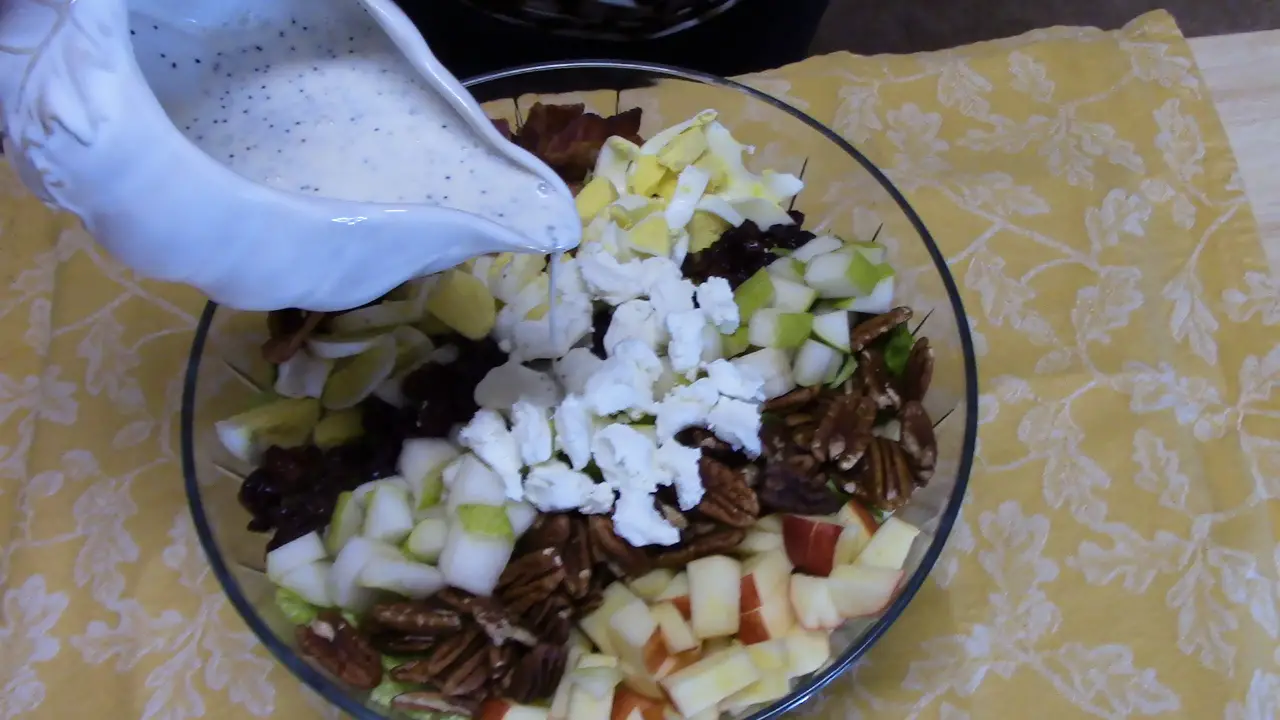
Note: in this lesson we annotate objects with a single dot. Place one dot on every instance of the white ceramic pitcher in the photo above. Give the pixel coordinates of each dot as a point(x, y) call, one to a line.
point(270, 153)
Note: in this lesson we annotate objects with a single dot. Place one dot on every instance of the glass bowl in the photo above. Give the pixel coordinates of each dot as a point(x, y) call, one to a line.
point(844, 195)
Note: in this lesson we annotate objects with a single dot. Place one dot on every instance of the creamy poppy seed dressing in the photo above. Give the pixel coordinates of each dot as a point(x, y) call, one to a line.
point(328, 107)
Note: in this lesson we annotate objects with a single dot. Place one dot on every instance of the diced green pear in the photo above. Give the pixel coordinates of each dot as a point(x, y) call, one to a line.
point(487, 520)
point(345, 523)
point(771, 364)
point(295, 609)
point(815, 363)
point(383, 316)
point(684, 149)
point(775, 328)
point(422, 462)
point(787, 268)
point(872, 251)
point(842, 274)
point(310, 582)
point(413, 347)
point(755, 293)
point(594, 197)
point(336, 347)
point(426, 542)
point(356, 378)
point(880, 300)
point(792, 296)
point(845, 372)
point(815, 247)
point(832, 328)
point(401, 576)
point(294, 554)
point(651, 236)
point(464, 303)
point(247, 434)
point(338, 428)
point(704, 229)
point(735, 343)
point(389, 517)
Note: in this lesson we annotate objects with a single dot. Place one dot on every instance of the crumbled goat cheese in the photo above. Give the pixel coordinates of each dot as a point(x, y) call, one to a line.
point(599, 501)
point(681, 463)
point(607, 279)
point(625, 457)
point(685, 348)
point(510, 382)
point(715, 297)
point(685, 406)
point(637, 521)
point(532, 432)
point(742, 383)
point(555, 487)
point(738, 423)
point(625, 381)
point(487, 436)
point(574, 427)
point(575, 368)
point(537, 339)
point(669, 295)
point(634, 320)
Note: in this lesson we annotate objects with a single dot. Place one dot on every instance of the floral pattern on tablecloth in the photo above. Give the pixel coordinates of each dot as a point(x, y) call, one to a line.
point(1117, 554)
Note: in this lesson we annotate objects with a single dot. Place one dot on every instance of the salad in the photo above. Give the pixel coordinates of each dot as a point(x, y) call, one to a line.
point(642, 480)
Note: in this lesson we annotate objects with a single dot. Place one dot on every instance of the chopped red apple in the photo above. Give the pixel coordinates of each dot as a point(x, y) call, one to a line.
point(675, 628)
point(771, 656)
point(631, 705)
point(560, 700)
point(814, 607)
point(714, 595)
point(811, 542)
point(862, 590)
point(636, 639)
point(859, 526)
point(650, 585)
point(705, 683)
point(770, 687)
point(765, 610)
point(807, 651)
point(594, 682)
point(677, 593)
point(769, 523)
point(596, 623)
point(759, 541)
point(890, 545)
point(495, 709)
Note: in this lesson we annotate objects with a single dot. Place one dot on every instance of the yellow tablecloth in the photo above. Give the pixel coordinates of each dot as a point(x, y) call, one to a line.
point(1117, 554)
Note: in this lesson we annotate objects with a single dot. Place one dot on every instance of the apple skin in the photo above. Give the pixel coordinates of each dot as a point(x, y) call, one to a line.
point(863, 590)
point(495, 709)
point(811, 543)
point(814, 607)
point(765, 610)
point(631, 705)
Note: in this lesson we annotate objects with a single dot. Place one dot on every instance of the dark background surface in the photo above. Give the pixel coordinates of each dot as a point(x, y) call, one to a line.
point(761, 34)
point(900, 26)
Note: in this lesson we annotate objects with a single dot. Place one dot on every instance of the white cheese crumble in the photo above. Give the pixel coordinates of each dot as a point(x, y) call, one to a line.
point(574, 427)
point(609, 280)
point(532, 432)
point(626, 458)
point(738, 423)
point(742, 383)
point(685, 348)
point(487, 436)
point(555, 487)
point(575, 368)
point(671, 295)
point(511, 382)
point(681, 463)
point(634, 320)
point(625, 382)
point(637, 521)
point(685, 406)
point(715, 297)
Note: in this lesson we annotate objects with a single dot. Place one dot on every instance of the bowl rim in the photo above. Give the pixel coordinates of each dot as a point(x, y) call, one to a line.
point(344, 701)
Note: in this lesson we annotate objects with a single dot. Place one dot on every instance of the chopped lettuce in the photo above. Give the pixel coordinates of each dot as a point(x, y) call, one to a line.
point(297, 610)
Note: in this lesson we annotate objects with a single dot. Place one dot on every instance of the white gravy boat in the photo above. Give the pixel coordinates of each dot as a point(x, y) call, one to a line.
point(292, 153)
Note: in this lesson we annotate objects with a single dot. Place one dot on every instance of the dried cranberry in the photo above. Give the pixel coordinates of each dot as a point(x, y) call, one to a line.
point(260, 496)
point(599, 326)
point(744, 250)
point(291, 468)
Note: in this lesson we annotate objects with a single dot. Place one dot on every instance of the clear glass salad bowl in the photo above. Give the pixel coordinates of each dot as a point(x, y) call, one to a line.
point(844, 195)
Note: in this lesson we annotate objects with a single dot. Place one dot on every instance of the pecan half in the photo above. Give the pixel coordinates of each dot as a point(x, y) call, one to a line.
point(575, 552)
point(864, 333)
point(427, 701)
point(610, 549)
point(530, 579)
point(793, 400)
point(415, 618)
point(884, 478)
point(552, 619)
point(918, 440)
point(500, 626)
point(918, 373)
point(548, 530)
point(396, 643)
point(717, 542)
point(705, 440)
point(285, 341)
point(341, 650)
point(877, 382)
point(845, 431)
point(459, 664)
point(537, 674)
point(727, 497)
